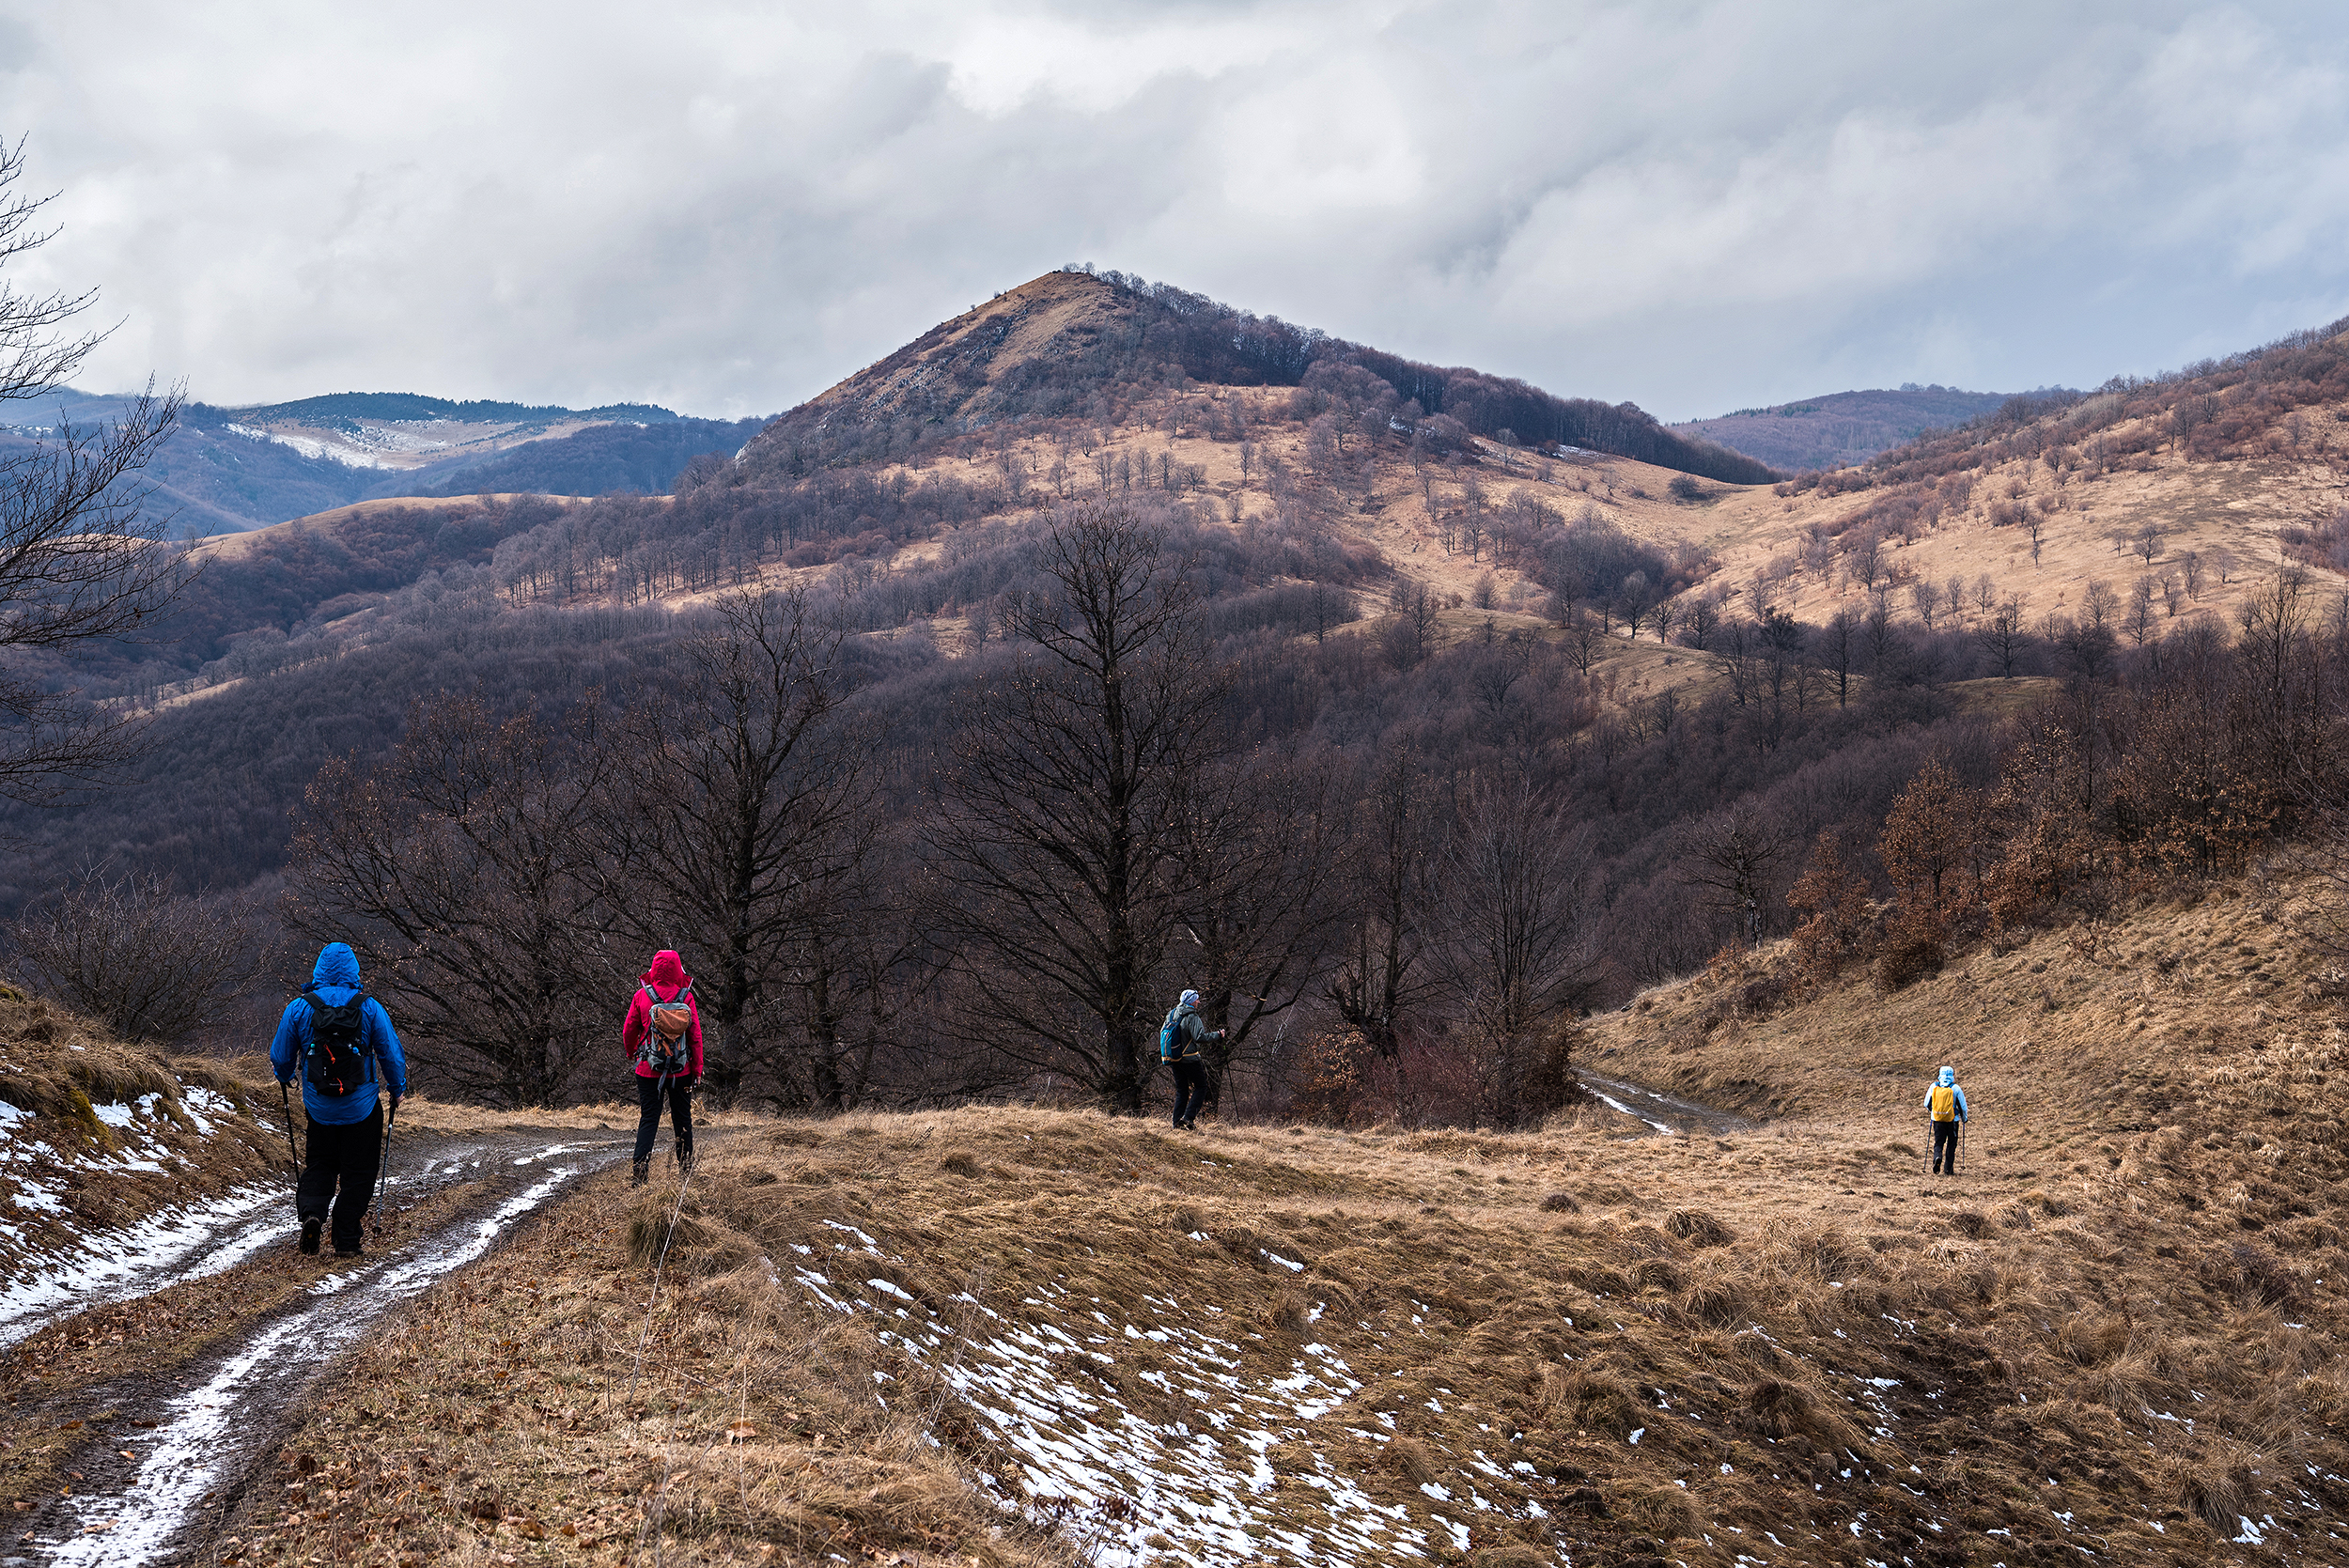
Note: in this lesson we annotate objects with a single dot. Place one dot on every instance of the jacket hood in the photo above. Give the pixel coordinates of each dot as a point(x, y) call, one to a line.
point(336, 966)
point(667, 969)
point(1948, 1078)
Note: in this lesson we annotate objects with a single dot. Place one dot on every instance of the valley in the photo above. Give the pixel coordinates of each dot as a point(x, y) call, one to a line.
point(1588, 840)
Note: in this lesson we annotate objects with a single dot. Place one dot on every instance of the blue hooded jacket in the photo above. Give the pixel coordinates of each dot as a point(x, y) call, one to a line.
point(336, 978)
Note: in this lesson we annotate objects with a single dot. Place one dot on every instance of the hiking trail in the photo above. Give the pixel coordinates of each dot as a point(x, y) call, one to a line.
point(165, 1453)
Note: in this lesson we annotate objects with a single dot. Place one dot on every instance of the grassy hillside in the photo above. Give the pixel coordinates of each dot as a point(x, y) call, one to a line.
point(932, 1337)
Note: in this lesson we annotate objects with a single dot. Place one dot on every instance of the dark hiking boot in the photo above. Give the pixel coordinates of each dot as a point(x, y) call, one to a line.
point(642, 1174)
point(310, 1229)
point(354, 1250)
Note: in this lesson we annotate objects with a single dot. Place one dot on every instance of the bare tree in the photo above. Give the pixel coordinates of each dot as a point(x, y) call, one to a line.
point(1517, 951)
point(1409, 636)
point(82, 558)
point(2002, 635)
point(1700, 617)
point(1734, 855)
point(1060, 848)
point(2138, 619)
point(1382, 971)
point(1586, 639)
point(156, 967)
point(738, 827)
point(1877, 632)
point(1837, 647)
point(2098, 604)
point(463, 871)
point(1260, 899)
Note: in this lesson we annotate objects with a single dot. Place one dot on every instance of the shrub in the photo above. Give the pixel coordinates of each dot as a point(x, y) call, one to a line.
point(1911, 951)
point(1684, 488)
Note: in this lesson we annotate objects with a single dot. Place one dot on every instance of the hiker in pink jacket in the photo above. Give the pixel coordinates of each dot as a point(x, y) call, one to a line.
point(662, 1036)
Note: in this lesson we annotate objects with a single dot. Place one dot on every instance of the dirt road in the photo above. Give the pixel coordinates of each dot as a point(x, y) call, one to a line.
point(151, 1455)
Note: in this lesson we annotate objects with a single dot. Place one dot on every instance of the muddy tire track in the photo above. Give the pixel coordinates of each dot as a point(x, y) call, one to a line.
point(1666, 1115)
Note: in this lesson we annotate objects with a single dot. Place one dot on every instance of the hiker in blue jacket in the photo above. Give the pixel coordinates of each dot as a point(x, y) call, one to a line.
point(1945, 1104)
point(332, 1038)
point(1179, 1039)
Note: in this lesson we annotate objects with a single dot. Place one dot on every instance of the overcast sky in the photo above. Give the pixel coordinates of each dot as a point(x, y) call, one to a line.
point(724, 209)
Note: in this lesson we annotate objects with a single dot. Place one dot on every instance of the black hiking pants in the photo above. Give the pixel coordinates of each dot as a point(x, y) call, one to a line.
point(1191, 1088)
point(343, 1157)
point(649, 1094)
point(1945, 1148)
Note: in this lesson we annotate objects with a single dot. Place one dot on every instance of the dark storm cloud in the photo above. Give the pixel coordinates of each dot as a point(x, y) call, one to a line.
point(725, 207)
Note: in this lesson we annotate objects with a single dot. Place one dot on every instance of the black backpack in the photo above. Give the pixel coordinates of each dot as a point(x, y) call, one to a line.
point(337, 1059)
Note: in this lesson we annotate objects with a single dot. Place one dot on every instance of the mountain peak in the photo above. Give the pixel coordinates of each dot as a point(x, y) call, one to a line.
point(947, 372)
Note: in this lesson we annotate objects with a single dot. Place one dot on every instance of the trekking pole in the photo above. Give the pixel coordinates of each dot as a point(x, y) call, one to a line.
point(285, 1097)
point(383, 1165)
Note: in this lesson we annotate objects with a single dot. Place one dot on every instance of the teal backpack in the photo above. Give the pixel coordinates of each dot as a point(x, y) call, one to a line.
point(1171, 1034)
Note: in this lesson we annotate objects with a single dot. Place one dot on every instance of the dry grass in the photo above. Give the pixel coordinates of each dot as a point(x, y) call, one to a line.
point(512, 1417)
point(2116, 1330)
point(1801, 1337)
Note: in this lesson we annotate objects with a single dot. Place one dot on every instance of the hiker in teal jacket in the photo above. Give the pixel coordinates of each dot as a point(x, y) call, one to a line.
point(1179, 1039)
point(346, 1140)
point(1945, 1104)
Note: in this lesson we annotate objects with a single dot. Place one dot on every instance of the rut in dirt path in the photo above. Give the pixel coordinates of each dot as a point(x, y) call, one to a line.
point(178, 1447)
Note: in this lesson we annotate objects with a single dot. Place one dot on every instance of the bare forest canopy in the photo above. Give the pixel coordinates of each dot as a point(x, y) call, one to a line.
point(1080, 345)
point(1841, 428)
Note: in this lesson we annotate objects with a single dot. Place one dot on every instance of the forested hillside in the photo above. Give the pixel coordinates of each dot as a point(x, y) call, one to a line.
point(1378, 688)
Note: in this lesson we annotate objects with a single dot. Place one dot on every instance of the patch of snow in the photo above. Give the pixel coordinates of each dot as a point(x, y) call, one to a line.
point(139, 1255)
point(1615, 1104)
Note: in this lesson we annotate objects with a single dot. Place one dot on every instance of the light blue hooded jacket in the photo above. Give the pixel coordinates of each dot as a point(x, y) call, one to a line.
point(1948, 1080)
point(336, 978)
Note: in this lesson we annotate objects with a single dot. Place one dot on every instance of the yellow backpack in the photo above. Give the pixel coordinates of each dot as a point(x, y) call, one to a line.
point(1944, 1103)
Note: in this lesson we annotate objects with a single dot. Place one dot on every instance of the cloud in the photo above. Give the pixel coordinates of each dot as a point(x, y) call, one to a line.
point(725, 207)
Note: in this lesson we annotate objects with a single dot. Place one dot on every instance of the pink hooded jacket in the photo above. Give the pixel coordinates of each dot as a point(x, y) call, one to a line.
point(666, 977)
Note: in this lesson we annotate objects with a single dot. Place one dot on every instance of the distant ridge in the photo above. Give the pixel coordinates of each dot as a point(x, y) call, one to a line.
point(346, 409)
point(1841, 428)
